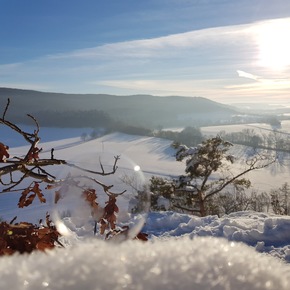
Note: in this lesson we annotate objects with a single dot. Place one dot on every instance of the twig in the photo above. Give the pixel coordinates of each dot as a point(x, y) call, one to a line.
point(105, 187)
point(103, 173)
point(6, 108)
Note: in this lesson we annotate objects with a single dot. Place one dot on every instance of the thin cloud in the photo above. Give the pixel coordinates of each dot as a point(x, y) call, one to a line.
point(171, 44)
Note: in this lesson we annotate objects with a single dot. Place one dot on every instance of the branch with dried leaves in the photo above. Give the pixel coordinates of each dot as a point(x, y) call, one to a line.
point(31, 165)
point(17, 170)
point(26, 237)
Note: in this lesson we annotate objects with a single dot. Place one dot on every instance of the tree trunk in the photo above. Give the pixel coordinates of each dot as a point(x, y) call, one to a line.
point(201, 204)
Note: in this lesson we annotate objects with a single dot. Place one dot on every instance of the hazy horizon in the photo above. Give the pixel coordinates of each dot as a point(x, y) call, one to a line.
point(224, 51)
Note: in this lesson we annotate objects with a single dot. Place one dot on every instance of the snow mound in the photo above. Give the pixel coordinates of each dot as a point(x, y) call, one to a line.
point(201, 263)
point(267, 233)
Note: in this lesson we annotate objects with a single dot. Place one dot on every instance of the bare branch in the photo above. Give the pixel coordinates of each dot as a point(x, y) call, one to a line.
point(105, 187)
point(36, 123)
point(6, 108)
point(15, 183)
point(51, 153)
point(252, 166)
point(27, 136)
point(103, 172)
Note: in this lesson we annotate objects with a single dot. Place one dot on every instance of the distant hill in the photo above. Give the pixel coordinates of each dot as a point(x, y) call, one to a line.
point(139, 110)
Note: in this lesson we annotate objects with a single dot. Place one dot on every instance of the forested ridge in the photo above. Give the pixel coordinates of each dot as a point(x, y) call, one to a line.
point(140, 110)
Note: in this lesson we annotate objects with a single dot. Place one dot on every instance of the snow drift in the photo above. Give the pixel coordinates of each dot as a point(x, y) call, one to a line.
point(201, 263)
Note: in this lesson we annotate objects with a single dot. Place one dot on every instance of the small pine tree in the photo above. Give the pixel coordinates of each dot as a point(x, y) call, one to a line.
point(208, 172)
point(162, 190)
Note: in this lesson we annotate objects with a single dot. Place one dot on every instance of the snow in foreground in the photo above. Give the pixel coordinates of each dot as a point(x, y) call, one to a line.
point(201, 263)
point(183, 252)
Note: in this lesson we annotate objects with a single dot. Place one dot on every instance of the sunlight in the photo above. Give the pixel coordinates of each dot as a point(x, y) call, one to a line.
point(274, 45)
point(137, 168)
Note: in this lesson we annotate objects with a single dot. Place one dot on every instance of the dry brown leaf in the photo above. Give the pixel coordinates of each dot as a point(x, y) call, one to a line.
point(3, 152)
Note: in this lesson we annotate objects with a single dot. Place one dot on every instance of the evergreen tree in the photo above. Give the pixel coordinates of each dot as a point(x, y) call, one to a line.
point(208, 172)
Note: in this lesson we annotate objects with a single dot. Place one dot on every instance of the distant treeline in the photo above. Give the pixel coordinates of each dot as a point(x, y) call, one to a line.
point(190, 136)
point(74, 119)
point(87, 119)
point(96, 119)
point(273, 140)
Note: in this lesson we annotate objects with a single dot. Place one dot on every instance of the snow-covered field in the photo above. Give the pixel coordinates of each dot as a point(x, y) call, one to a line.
point(257, 127)
point(245, 250)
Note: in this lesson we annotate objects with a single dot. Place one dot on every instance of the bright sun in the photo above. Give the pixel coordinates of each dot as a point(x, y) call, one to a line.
point(274, 45)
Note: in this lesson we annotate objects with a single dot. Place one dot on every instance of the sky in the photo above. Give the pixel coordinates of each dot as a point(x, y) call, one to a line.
point(224, 50)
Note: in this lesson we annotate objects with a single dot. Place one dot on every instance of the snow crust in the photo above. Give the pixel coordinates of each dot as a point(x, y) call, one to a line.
point(183, 252)
point(265, 232)
point(201, 263)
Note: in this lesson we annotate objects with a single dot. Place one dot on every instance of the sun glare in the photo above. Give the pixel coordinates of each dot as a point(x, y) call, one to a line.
point(274, 45)
point(137, 168)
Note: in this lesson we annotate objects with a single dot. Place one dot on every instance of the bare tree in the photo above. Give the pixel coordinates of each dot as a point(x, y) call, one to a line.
point(280, 199)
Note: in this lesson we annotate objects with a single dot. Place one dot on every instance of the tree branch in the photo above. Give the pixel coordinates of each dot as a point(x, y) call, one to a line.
point(231, 180)
point(6, 108)
point(103, 173)
point(187, 209)
point(32, 166)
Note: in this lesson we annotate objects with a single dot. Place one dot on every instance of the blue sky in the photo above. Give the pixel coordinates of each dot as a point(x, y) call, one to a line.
point(228, 51)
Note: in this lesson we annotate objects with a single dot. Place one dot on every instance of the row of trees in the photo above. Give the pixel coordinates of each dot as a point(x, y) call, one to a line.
point(127, 129)
point(74, 118)
point(165, 195)
point(189, 136)
point(192, 136)
point(249, 137)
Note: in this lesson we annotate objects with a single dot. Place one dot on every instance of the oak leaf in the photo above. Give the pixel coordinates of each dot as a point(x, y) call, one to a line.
point(3, 152)
point(25, 199)
point(37, 190)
